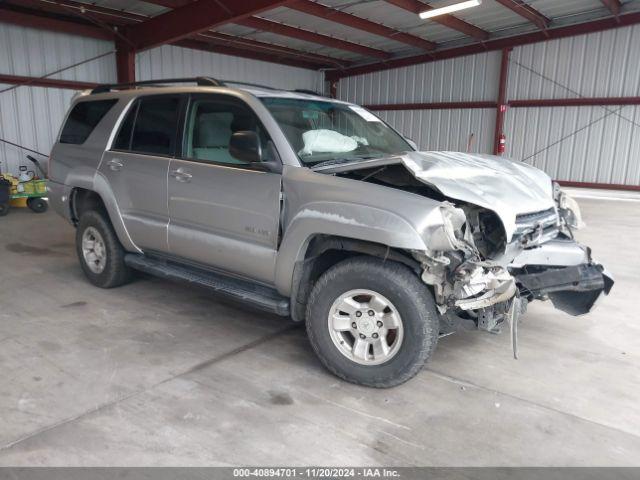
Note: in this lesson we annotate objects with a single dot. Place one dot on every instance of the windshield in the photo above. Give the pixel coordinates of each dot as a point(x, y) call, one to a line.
point(327, 132)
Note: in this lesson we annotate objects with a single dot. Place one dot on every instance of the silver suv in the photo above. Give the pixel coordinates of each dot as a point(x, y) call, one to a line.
point(316, 209)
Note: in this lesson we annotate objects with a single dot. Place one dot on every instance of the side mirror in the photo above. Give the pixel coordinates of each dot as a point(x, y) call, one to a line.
point(413, 144)
point(245, 146)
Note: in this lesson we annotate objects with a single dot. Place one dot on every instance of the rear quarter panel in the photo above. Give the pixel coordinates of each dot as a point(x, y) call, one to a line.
point(76, 166)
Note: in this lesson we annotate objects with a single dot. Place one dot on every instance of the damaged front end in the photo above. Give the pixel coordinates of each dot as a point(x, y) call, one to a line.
point(501, 237)
point(470, 290)
point(481, 281)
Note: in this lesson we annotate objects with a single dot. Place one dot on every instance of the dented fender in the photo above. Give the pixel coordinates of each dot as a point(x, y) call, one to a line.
point(319, 204)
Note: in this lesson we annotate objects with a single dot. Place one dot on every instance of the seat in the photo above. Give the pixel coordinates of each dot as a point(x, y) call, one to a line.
point(293, 125)
point(211, 137)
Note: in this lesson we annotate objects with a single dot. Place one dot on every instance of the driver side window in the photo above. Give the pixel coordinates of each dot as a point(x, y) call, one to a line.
point(210, 125)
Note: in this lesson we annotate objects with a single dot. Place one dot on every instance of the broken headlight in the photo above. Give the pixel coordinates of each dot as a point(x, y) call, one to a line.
point(568, 209)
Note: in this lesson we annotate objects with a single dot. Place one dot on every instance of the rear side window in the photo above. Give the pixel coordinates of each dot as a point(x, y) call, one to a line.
point(123, 140)
point(156, 126)
point(151, 126)
point(83, 119)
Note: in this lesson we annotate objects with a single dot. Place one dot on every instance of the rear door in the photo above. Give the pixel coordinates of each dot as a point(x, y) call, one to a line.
point(224, 213)
point(137, 164)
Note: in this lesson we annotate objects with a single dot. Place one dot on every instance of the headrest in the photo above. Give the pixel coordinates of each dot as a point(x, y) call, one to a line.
point(212, 130)
point(243, 122)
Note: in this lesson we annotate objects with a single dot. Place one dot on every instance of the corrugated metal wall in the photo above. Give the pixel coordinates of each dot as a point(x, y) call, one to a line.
point(169, 61)
point(603, 64)
point(474, 77)
point(584, 144)
point(471, 78)
point(31, 116)
point(445, 129)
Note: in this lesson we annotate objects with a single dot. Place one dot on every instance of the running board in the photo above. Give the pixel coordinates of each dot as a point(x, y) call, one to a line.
point(255, 295)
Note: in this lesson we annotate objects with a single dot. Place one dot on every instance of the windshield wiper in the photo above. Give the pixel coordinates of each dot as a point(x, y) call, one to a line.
point(338, 161)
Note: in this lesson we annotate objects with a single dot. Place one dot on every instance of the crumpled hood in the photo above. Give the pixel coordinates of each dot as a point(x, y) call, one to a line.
point(504, 186)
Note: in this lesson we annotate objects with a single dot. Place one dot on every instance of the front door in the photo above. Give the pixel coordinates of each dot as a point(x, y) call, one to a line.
point(224, 213)
point(136, 168)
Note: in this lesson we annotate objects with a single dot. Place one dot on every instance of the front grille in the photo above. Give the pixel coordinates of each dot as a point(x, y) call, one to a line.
point(535, 217)
point(537, 227)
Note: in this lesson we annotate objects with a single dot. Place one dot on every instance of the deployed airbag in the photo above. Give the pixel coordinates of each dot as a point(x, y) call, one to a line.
point(326, 141)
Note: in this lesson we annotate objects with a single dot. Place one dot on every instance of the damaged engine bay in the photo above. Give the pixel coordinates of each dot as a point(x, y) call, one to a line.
point(484, 268)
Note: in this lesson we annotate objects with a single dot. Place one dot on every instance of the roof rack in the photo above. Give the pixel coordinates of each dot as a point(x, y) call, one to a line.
point(200, 81)
point(248, 84)
point(308, 92)
point(267, 87)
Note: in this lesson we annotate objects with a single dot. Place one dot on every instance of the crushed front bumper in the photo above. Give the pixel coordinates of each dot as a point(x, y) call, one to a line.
point(574, 289)
point(562, 270)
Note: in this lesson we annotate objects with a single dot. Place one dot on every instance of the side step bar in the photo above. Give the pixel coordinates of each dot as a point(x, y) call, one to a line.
point(255, 295)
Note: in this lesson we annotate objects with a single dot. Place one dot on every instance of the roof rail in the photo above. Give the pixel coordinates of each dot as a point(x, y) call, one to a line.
point(308, 92)
point(267, 87)
point(200, 81)
point(248, 84)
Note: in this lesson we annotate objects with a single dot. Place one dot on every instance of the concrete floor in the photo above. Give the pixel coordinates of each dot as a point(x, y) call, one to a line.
point(159, 374)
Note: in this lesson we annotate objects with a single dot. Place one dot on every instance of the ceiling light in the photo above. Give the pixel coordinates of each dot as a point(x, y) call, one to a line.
point(449, 9)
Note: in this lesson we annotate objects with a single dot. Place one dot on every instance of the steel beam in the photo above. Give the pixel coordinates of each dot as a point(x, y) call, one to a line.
point(247, 53)
point(431, 106)
point(194, 18)
point(312, 37)
point(605, 186)
point(415, 6)
point(575, 102)
point(82, 10)
point(535, 103)
point(45, 82)
point(528, 12)
point(497, 44)
point(54, 25)
point(349, 20)
point(270, 48)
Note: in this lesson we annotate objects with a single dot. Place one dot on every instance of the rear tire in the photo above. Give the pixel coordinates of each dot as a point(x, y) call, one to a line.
point(4, 209)
point(38, 205)
point(100, 253)
point(401, 306)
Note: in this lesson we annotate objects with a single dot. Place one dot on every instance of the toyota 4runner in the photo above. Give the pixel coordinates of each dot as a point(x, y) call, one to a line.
point(316, 209)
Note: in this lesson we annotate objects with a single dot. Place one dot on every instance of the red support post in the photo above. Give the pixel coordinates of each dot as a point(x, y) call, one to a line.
point(333, 84)
point(125, 62)
point(614, 6)
point(502, 99)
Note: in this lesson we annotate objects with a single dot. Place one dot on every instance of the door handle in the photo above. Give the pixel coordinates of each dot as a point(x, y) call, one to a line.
point(180, 175)
point(115, 165)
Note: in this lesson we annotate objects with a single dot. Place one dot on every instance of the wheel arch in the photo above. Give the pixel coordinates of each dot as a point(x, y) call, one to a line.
point(324, 251)
point(100, 197)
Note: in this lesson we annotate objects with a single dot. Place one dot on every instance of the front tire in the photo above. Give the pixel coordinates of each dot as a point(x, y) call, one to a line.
point(100, 253)
point(372, 322)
